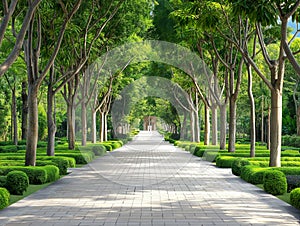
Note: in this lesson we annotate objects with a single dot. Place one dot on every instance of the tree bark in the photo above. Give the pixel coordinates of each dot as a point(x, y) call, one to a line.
point(71, 125)
point(14, 116)
point(214, 124)
point(192, 125)
point(83, 123)
point(207, 125)
point(94, 126)
point(232, 124)
point(223, 125)
point(24, 110)
point(51, 122)
point(252, 113)
point(276, 126)
point(183, 127)
point(32, 133)
point(262, 120)
point(269, 128)
point(102, 121)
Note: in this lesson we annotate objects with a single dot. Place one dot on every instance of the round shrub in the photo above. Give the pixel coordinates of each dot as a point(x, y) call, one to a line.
point(275, 182)
point(237, 165)
point(4, 198)
point(17, 182)
point(99, 150)
point(295, 197)
point(3, 181)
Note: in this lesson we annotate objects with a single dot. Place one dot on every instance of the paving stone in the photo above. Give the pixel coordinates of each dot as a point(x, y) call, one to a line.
point(149, 182)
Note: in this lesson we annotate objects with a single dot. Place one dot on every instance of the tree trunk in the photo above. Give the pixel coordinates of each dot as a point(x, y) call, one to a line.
point(276, 126)
point(71, 125)
point(94, 127)
point(214, 124)
point(24, 110)
point(269, 128)
point(14, 116)
point(183, 127)
point(252, 113)
point(262, 119)
point(223, 124)
point(101, 126)
point(232, 124)
point(192, 125)
point(207, 125)
point(51, 122)
point(83, 123)
point(298, 121)
point(106, 127)
point(32, 132)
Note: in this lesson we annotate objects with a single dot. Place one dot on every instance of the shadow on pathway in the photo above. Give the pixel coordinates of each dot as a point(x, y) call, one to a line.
point(150, 182)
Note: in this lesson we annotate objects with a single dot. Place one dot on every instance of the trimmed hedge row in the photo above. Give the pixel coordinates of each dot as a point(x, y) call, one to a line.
point(4, 198)
point(254, 174)
point(36, 175)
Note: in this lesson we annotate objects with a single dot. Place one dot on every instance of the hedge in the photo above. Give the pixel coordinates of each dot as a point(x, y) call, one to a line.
point(17, 182)
point(80, 158)
point(275, 182)
point(224, 161)
point(4, 198)
point(295, 198)
point(293, 182)
point(253, 174)
point(52, 173)
point(36, 175)
point(237, 165)
point(2, 181)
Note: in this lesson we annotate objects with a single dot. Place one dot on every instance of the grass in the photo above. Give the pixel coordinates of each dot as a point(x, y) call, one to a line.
point(285, 197)
point(31, 189)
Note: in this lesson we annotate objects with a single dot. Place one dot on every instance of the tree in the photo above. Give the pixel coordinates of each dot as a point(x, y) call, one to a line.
point(37, 73)
point(266, 15)
point(8, 14)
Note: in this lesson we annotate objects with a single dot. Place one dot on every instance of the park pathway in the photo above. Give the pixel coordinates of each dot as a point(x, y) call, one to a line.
point(150, 182)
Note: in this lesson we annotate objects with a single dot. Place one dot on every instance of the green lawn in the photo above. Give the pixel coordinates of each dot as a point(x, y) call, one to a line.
point(31, 189)
point(285, 197)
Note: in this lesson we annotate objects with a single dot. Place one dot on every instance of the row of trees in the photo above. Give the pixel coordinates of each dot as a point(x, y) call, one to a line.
point(53, 43)
point(235, 38)
point(232, 38)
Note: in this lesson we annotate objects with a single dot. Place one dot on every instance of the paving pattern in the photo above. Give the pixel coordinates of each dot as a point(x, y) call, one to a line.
point(149, 182)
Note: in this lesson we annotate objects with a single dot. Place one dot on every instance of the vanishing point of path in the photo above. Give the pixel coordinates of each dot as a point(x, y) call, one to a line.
point(150, 182)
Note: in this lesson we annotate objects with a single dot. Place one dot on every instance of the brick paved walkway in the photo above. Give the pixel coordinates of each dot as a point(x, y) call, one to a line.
point(150, 182)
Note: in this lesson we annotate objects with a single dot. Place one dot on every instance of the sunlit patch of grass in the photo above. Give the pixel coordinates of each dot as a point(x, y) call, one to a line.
point(31, 189)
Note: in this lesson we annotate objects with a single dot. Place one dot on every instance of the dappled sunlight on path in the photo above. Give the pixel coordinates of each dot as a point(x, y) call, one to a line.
point(150, 182)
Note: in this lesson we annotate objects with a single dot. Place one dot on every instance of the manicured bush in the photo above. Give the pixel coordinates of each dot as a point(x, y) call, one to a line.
point(99, 149)
point(275, 182)
point(210, 155)
point(83, 157)
point(224, 161)
point(52, 173)
point(8, 148)
point(253, 174)
point(237, 165)
point(17, 182)
point(295, 198)
point(199, 152)
point(3, 181)
point(36, 175)
point(107, 146)
point(293, 181)
point(4, 198)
